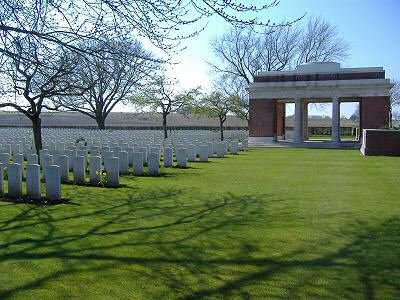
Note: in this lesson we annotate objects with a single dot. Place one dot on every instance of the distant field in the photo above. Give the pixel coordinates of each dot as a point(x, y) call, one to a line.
point(116, 119)
point(119, 119)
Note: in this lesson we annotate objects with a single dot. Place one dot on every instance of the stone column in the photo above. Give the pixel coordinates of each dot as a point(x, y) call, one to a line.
point(14, 180)
point(305, 121)
point(33, 188)
point(53, 182)
point(298, 119)
point(335, 120)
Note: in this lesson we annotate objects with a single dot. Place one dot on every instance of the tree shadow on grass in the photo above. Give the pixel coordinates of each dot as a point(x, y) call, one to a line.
point(187, 245)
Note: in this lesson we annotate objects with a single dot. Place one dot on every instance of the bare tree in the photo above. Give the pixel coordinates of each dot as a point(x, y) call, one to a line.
point(242, 53)
point(320, 41)
point(165, 23)
point(394, 98)
point(216, 105)
point(161, 96)
point(113, 77)
point(38, 75)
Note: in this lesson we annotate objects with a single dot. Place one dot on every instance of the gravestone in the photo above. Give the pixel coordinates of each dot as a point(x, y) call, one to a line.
point(53, 183)
point(111, 165)
point(234, 147)
point(79, 170)
point(14, 180)
point(123, 162)
point(168, 157)
point(63, 162)
point(33, 188)
point(181, 157)
point(95, 169)
point(154, 164)
point(138, 163)
point(203, 153)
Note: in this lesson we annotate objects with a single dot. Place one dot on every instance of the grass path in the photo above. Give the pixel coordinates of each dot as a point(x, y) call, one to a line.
point(270, 223)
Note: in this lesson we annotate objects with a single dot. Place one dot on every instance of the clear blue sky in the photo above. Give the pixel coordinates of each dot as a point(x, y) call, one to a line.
point(372, 27)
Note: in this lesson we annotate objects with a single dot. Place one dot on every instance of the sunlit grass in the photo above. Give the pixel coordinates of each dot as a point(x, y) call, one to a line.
point(270, 223)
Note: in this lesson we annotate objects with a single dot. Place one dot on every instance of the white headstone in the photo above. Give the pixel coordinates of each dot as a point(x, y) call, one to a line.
point(191, 152)
point(234, 147)
point(181, 157)
point(63, 162)
point(123, 162)
point(203, 153)
point(79, 170)
point(138, 163)
point(95, 169)
point(14, 180)
point(53, 183)
point(33, 188)
point(168, 157)
point(154, 164)
point(111, 165)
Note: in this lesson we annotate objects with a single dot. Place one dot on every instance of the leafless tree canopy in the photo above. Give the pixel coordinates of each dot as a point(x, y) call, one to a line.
point(162, 96)
point(123, 68)
point(165, 23)
point(395, 95)
point(242, 52)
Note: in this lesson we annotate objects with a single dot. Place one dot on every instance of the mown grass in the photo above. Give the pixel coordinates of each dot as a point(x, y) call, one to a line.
point(270, 223)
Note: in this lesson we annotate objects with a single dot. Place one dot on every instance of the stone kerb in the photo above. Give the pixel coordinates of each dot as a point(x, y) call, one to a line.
point(53, 183)
point(33, 188)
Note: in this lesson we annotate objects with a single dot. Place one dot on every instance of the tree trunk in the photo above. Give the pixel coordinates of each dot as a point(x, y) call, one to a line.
point(221, 128)
point(37, 133)
point(165, 126)
point(101, 120)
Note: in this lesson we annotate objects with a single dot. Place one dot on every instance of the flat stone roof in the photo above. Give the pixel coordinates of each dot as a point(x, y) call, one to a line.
point(321, 68)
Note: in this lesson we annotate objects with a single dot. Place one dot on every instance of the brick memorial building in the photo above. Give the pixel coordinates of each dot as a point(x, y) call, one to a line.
point(316, 82)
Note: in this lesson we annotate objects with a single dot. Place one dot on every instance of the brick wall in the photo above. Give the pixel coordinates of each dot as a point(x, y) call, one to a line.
point(374, 112)
point(280, 118)
point(262, 118)
point(381, 142)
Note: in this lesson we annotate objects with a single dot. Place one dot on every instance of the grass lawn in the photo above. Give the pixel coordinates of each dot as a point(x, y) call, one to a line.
point(270, 223)
point(343, 138)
